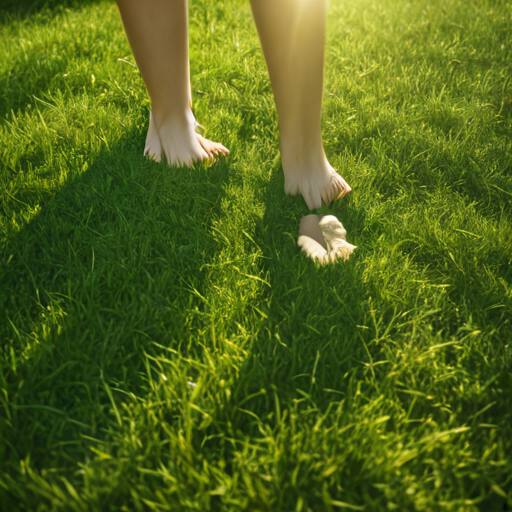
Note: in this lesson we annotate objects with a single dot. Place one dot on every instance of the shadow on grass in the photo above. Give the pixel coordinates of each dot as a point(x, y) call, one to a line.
point(38, 68)
point(88, 286)
point(33, 77)
point(314, 310)
point(308, 345)
point(97, 278)
point(24, 9)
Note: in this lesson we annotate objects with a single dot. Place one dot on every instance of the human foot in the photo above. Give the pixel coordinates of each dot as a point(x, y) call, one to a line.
point(179, 142)
point(315, 180)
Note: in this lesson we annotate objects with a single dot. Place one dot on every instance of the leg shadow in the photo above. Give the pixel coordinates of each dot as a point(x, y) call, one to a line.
point(87, 289)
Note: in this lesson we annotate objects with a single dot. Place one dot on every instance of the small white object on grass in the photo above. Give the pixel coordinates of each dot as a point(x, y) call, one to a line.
point(323, 238)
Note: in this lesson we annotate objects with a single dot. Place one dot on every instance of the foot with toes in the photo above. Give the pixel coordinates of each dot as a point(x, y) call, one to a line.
point(307, 172)
point(178, 141)
point(326, 185)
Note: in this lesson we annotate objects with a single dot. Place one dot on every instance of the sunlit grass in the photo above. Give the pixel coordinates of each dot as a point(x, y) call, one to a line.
point(164, 343)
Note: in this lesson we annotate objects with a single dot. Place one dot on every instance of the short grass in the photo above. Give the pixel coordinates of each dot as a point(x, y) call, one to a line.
point(164, 343)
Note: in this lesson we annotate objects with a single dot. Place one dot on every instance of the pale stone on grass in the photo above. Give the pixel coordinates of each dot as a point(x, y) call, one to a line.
point(323, 239)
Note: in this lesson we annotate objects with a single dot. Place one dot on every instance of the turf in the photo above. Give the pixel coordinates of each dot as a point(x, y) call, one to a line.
point(164, 343)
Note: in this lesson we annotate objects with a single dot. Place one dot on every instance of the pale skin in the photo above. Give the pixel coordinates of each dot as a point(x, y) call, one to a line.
point(292, 34)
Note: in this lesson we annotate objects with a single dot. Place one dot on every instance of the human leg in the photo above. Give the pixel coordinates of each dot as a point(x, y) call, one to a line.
point(292, 34)
point(157, 31)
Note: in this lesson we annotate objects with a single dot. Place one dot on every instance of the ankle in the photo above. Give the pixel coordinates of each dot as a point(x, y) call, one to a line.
point(302, 154)
point(177, 117)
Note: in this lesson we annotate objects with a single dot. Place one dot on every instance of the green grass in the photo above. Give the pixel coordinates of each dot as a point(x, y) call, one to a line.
point(164, 343)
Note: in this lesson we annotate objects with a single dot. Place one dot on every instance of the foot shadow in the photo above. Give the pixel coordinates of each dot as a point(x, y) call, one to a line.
point(307, 351)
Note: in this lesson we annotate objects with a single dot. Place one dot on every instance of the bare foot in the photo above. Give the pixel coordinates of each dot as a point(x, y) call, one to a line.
point(180, 143)
point(315, 179)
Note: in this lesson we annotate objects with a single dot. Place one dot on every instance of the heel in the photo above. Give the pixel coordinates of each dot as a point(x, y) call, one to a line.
point(153, 147)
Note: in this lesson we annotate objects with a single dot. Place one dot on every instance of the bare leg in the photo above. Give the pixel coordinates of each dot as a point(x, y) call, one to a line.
point(292, 34)
point(158, 34)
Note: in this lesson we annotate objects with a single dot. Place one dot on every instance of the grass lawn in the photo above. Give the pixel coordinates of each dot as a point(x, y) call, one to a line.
point(165, 345)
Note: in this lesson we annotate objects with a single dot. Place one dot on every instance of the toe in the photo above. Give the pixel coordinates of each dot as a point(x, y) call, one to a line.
point(219, 147)
point(340, 186)
point(325, 197)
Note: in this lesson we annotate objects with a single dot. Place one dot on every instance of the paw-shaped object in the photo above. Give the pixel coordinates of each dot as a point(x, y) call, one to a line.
point(323, 238)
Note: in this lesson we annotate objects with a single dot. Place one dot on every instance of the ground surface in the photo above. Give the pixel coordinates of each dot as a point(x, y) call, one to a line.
point(164, 343)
